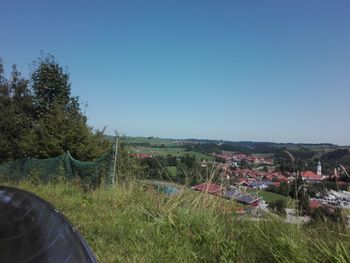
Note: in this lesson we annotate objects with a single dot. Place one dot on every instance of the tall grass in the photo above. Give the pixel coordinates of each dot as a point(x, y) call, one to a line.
point(137, 224)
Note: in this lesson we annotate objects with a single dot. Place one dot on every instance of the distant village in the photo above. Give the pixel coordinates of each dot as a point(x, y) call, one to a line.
point(243, 184)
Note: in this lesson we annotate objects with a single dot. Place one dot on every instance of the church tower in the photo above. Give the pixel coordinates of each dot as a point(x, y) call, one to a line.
point(319, 168)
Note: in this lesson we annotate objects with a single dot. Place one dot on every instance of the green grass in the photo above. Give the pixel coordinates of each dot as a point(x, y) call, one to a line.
point(268, 197)
point(198, 155)
point(162, 147)
point(134, 224)
point(171, 170)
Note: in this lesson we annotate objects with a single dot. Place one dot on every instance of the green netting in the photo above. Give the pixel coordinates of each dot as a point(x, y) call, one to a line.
point(46, 170)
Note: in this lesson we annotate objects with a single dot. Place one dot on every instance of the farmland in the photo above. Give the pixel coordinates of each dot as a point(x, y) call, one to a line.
point(161, 147)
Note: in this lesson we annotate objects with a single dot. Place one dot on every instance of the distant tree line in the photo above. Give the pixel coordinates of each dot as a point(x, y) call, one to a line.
point(306, 159)
point(39, 117)
point(217, 148)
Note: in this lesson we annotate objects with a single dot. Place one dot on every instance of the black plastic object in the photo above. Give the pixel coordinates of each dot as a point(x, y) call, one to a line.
point(32, 230)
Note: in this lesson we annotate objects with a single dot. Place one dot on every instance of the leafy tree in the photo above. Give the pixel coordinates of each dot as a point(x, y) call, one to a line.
point(284, 189)
point(60, 125)
point(15, 113)
point(189, 171)
point(189, 161)
point(172, 161)
point(154, 168)
point(50, 85)
point(43, 120)
point(6, 115)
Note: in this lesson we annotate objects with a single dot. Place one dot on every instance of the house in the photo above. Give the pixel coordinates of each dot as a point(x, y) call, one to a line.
point(243, 183)
point(309, 175)
point(248, 199)
point(210, 188)
point(231, 194)
point(260, 184)
point(242, 197)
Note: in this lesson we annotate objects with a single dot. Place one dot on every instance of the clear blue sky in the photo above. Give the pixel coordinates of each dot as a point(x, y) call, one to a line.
point(259, 70)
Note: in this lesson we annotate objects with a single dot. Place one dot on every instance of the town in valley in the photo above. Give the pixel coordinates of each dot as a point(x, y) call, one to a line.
point(297, 180)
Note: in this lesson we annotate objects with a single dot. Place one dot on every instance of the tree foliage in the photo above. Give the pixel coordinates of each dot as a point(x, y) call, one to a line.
point(279, 206)
point(50, 85)
point(15, 113)
point(40, 118)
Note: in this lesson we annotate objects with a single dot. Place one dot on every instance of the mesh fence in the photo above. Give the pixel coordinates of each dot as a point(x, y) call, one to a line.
point(46, 170)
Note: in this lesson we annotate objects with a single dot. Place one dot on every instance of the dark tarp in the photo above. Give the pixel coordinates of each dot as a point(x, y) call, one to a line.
point(32, 230)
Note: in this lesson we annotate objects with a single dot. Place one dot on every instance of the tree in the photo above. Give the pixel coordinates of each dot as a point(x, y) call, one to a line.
point(43, 120)
point(188, 170)
point(6, 115)
point(279, 206)
point(172, 161)
point(50, 85)
point(284, 189)
point(60, 125)
point(15, 113)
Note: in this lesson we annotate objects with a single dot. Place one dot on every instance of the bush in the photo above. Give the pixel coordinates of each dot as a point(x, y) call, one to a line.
point(279, 206)
point(326, 214)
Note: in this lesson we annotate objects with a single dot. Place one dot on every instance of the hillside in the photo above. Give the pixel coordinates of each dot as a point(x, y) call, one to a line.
point(137, 224)
point(241, 146)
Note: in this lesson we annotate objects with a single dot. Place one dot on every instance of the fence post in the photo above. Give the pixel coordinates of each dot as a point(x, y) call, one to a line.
point(115, 160)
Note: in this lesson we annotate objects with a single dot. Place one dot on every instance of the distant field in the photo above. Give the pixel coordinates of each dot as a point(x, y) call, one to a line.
point(268, 197)
point(198, 155)
point(154, 141)
point(158, 150)
point(162, 147)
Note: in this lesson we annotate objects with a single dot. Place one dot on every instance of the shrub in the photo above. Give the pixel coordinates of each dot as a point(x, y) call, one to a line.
point(279, 206)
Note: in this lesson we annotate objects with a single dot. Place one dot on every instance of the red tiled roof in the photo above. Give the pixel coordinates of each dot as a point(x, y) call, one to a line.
point(269, 177)
point(314, 204)
point(207, 187)
point(311, 175)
